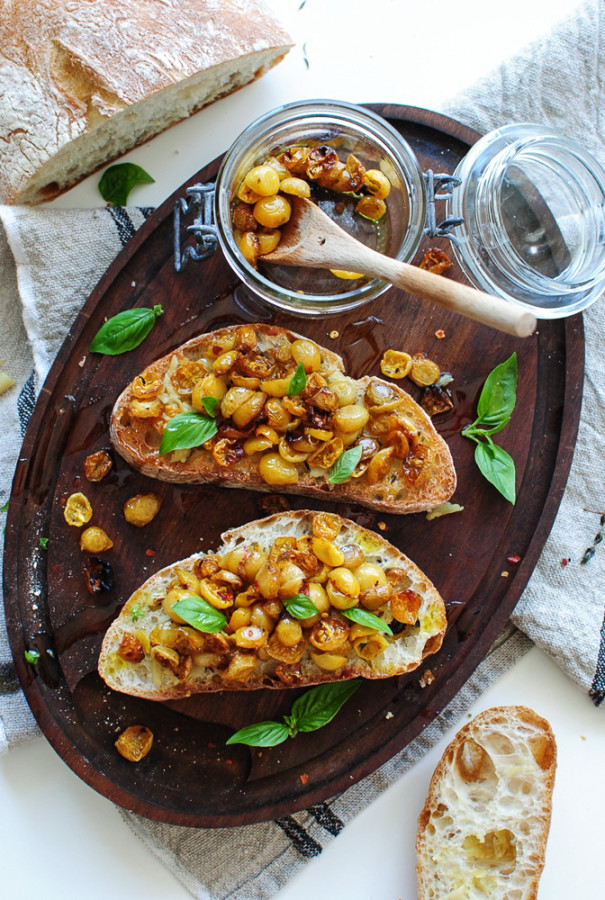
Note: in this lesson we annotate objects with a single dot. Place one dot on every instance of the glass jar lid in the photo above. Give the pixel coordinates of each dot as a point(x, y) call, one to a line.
point(533, 209)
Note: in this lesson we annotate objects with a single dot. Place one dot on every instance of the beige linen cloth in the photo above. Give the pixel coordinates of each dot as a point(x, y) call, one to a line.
point(559, 81)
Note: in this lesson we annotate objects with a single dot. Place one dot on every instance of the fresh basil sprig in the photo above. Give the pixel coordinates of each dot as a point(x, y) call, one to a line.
point(187, 430)
point(298, 382)
point(494, 410)
point(345, 465)
point(125, 331)
point(300, 606)
point(200, 614)
point(210, 404)
point(363, 617)
point(117, 181)
point(312, 710)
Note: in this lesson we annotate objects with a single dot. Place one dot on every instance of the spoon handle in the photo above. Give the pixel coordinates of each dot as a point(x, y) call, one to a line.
point(461, 298)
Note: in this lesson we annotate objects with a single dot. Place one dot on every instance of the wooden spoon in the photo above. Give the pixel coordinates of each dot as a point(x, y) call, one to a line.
point(312, 239)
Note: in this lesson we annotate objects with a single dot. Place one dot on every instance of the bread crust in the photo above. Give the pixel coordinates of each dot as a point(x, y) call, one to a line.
point(495, 778)
point(393, 494)
point(403, 654)
point(74, 78)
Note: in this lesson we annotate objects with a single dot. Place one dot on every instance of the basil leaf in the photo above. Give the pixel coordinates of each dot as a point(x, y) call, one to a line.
point(44, 543)
point(187, 430)
point(298, 382)
point(263, 734)
point(4, 506)
point(363, 617)
point(319, 705)
point(345, 465)
point(200, 614)
point(498, 397)
point(498, 467)
point(117, 182)
point(301, 606)
point(210, 404)
point(125, 331)
point(32, 657)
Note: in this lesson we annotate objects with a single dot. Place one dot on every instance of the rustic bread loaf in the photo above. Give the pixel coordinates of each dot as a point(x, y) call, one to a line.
point(483, 830)
point(150, 652)
point(275, 441)
point(83, 82)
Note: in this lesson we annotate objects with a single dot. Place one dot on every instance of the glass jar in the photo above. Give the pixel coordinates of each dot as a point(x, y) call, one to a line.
point(529, 207)
point(532, 205)
point(348, 129)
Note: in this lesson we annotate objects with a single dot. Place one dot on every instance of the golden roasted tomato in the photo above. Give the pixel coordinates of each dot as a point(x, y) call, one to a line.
point(97, 465)
point(134, 743)
point(395, 363)
point(78, 510)
point(142, 508)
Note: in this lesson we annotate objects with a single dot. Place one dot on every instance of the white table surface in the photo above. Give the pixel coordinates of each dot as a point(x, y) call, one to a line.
point(59, 838)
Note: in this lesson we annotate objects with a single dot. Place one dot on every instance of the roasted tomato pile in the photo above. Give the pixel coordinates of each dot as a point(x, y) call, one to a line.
point(252, 588)
point(290, 437)
point(262, 203)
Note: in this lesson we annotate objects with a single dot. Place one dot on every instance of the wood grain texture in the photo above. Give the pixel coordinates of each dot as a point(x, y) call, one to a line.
point(190, 777)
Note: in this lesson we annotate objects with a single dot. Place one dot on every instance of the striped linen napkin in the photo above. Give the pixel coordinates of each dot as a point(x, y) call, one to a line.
point(78, 245)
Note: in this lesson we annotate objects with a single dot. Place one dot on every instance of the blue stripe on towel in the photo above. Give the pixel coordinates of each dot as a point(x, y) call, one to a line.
point(327, 818)
point(123, 222)
point(597, 688)
point(26, 402)
point(301, 841)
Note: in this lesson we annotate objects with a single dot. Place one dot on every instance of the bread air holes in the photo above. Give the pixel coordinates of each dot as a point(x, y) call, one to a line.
point(499, 744)
point(495, 848)
point(475, 768)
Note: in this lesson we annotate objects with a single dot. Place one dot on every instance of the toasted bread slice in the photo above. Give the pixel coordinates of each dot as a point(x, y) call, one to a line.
point(150, 652)
point(269, 440)
point(483, 830)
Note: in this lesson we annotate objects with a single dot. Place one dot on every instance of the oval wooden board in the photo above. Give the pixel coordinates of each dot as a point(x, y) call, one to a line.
point(190, 777)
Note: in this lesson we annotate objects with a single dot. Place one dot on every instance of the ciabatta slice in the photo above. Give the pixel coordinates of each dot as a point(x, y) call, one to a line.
point(483, 830)
point(331, 648)
point(407, 466)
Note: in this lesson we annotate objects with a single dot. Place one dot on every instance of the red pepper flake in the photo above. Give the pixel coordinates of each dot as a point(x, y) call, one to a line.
point(440, 334)
point(211, 746)
point(228, 762)
point(149, 552)
point(304, 778)
point(513, 560)
point(565, 561)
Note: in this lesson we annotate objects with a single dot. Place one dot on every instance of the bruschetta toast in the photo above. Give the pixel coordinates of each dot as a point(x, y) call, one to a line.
point(259, 407)
point(298, 598)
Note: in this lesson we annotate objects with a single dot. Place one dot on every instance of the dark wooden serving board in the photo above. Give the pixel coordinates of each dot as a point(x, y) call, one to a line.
point(190, 777)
